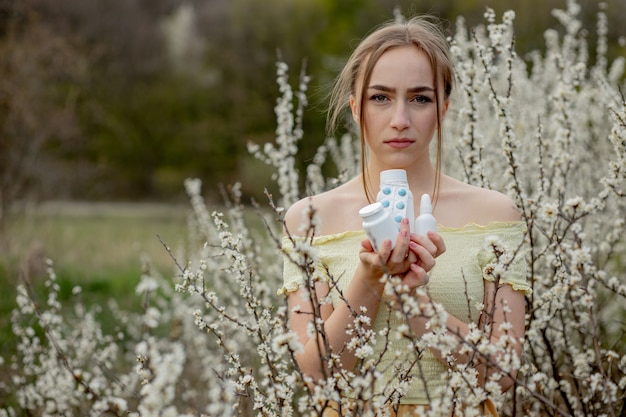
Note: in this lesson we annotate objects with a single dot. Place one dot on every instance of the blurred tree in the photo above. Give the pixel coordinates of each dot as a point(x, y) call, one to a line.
point(245, 44)
point(40, 78)
point(141, 94)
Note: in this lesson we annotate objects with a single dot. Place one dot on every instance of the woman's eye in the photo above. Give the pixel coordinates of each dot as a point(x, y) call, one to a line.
point(378, 98)
point(422, 99)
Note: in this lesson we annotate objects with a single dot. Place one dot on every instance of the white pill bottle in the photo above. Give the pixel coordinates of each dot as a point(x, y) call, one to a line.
point(378, 225)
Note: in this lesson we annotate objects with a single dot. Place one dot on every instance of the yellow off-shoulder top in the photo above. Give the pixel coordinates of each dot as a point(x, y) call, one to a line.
point(457, 282)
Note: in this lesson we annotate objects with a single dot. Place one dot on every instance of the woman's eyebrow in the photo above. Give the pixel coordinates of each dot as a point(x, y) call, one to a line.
point(418, 89)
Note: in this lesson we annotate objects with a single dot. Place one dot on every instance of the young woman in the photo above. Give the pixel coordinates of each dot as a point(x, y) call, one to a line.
point(397, 85)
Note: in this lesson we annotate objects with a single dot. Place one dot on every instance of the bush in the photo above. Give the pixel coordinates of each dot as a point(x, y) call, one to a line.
point(550, 131)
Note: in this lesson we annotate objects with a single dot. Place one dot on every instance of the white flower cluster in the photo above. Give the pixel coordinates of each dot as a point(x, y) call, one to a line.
point(288, 133)
point(559, 138)
point(345, 156)
point(548, 128)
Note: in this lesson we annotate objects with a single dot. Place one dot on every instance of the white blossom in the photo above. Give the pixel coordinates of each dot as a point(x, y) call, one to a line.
point(547, 128)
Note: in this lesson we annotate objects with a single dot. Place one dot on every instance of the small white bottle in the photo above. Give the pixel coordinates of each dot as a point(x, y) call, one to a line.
point(425, 221)
point(378, 225)
point(396, 197)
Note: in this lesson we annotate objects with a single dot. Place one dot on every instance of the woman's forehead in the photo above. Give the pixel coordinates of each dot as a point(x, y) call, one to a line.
point(406, 64)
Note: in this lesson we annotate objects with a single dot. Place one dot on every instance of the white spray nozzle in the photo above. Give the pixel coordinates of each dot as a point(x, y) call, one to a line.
point(425, 222)
point(425, 204)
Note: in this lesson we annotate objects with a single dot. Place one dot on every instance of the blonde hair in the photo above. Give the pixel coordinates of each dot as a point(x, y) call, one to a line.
point(422, 32)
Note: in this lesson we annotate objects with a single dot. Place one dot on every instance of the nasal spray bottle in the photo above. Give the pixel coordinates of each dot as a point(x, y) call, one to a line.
point(425, 221)
point(396, 197)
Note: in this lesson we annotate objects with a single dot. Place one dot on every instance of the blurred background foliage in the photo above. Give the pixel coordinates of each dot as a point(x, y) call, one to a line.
point(123, 99)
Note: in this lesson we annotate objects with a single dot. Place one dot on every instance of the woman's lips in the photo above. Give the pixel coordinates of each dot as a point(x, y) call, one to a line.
point(399, 143)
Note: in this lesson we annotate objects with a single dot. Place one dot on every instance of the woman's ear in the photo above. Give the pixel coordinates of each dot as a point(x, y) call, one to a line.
point(354, 109)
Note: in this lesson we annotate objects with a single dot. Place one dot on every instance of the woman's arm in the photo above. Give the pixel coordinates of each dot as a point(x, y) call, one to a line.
point(336, 321)
point(507, 306)
point(502, 305)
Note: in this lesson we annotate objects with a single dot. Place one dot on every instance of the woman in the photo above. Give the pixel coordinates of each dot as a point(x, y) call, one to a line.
point(397, 85)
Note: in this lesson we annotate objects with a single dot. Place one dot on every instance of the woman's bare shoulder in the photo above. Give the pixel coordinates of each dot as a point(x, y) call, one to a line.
point(331, 211)
point(465, 203)
point(299, 215)
point(496, 206)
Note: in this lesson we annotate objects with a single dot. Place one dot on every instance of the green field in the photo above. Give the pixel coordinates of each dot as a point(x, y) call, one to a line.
point(99, 247)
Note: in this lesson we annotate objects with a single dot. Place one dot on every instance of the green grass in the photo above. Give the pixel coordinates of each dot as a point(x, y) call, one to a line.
point(98, 247)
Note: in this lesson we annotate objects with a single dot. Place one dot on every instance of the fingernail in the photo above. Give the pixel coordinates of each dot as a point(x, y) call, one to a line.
point(413, 244)
point(405, 220)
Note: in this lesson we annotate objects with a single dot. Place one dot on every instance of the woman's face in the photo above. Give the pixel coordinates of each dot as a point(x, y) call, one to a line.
point(400, 112)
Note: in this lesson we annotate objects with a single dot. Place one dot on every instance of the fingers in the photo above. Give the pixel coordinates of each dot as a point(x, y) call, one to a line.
point(433, 243)
point(367, 246)
point(425, 251)
point(401, 251)
point(437, 240)
point(416, 277)
point(375, 261)
point(424, 258)
point(413, 255)
point(388, 259)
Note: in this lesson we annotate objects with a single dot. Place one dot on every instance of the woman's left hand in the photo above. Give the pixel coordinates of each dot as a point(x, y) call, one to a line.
point(425, 249)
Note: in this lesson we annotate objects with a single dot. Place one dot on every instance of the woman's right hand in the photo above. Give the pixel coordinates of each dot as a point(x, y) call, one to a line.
point(396, 260)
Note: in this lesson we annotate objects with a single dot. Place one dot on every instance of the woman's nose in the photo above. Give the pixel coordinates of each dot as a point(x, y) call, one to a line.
point(400, 119)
